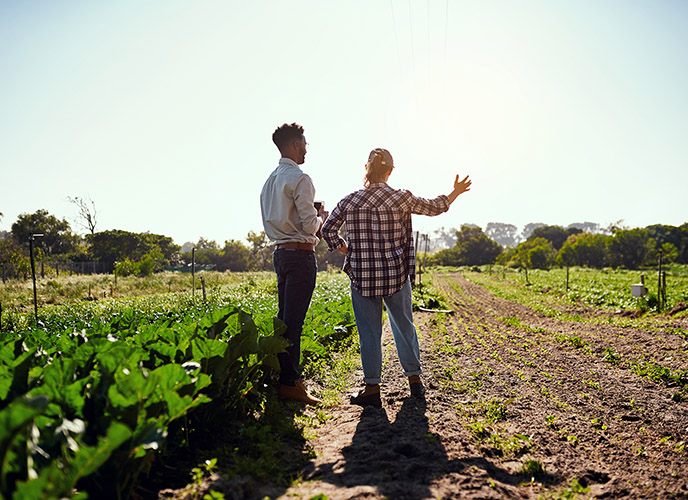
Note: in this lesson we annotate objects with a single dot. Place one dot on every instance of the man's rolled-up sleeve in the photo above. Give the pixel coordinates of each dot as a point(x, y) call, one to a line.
point(330, 230)
point(304, 193)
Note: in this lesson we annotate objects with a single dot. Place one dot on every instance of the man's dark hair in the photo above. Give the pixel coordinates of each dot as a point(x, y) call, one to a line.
point(286, 133)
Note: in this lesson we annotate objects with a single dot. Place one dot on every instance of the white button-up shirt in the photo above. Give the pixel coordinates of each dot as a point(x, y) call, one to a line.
point(286, 204)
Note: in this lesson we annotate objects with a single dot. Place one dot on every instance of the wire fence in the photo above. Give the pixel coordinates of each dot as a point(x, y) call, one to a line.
point(55, 268)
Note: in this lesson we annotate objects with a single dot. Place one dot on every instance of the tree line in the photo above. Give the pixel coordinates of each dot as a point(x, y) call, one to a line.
point(127, 253)
point(541, 247)
point(547, 246)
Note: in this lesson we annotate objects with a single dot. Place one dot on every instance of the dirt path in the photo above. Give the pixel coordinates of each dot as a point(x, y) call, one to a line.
point(519, 406)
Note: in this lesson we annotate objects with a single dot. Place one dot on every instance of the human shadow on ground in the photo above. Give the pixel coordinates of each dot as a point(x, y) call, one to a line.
point(402, 459)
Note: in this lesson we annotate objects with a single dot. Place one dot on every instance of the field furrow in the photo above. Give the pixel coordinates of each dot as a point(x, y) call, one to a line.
point(520, 405)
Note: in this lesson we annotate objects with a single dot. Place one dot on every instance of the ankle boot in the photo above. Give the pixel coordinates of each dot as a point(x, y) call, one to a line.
point(416, 386)
point(369, 396)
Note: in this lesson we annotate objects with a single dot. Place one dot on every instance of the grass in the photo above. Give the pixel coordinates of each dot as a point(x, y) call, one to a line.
point(63, 289)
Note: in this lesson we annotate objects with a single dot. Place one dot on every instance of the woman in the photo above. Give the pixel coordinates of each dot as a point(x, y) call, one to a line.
point(380, 261)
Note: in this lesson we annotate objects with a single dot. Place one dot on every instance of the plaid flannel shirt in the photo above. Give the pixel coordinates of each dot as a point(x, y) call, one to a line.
point(380, 257)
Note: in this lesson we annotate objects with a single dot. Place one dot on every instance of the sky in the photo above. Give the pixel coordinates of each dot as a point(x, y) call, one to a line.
point(162, 112)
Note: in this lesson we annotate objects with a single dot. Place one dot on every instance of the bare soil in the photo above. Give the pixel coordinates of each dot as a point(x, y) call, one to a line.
point(518, 405)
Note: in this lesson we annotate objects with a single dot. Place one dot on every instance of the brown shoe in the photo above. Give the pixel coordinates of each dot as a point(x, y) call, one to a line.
point(416, 385)
point(370, 396)
point(297, 392)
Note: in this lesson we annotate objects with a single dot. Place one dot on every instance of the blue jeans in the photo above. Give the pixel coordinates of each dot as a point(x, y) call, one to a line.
point(296, 271)
point(368, 312)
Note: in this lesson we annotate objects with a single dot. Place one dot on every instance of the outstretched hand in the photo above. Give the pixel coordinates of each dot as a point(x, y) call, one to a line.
point(460, 187)
point(463, 186)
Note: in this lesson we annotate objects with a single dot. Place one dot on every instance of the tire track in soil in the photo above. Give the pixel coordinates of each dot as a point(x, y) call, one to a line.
point(559, 405)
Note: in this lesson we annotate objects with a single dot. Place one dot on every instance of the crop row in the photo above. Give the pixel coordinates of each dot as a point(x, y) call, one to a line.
point(605, 289)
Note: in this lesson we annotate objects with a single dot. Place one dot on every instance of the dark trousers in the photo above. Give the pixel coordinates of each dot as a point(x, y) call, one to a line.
point(296, 271)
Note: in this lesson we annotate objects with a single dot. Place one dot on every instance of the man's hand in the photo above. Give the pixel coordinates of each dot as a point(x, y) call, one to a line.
point(344, 248)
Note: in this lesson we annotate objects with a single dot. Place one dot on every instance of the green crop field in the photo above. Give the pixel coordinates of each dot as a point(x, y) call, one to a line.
point(605, 290)
point(90, 396)
point(107, 395)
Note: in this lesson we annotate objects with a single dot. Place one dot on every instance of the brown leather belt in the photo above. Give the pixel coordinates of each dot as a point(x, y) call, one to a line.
point(293, 245)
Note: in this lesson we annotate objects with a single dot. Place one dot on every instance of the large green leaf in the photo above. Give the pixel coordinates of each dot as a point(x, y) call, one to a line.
point(14, 371)
point(168, 378)
point(130, 388)
point(5, 384)
point(273, 345)
point(216, 322)
point(59, 478)
point(312, 345)
point(204, 349)
point(14, 420)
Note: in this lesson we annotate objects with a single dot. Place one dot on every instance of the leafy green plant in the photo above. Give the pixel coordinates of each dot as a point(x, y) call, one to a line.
point(570, 492)
point(100, 405)
point(532, 467)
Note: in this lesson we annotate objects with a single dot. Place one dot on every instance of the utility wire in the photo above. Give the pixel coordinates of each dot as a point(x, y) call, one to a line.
point(413, 59)
point(396, 36)
point(446, 29)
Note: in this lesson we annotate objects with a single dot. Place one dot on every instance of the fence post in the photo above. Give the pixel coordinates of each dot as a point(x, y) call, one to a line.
point(203, 286)
point(663, 289)
point(193, 273)
point(32, 236)
point(659, 281)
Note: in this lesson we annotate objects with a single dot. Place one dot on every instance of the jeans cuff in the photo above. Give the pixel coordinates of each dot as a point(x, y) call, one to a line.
point(372, 380)
point(415, 372)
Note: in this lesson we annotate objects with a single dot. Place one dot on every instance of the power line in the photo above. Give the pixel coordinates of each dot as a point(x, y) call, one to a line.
point(446, 29)
point(413, 59)
point(396, 36)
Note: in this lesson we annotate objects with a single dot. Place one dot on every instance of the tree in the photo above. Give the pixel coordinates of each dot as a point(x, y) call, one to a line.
point(260, 250)
point(529, 228)
point(13, 259)
point(537, 253)
point(235, 256)
point(683, 245)
point(473, 248)
point(58, 237)
point(586, 250)
point(585, 227)
point(504, 234)
point(556, 235)
point(443, 238)
point(672, 240)
point(87, 213)
point(629, 248)
point(668, 250)
point(207, 253)
point(116, 245)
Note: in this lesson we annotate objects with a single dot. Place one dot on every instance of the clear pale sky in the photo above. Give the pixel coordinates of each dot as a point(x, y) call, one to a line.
point(162, 112)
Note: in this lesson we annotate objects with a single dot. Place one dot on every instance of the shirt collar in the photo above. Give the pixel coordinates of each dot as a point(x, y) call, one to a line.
point(378, 185)
point(288, 161)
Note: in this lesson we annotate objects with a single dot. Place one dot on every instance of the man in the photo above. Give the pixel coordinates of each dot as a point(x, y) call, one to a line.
point(291, 221)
